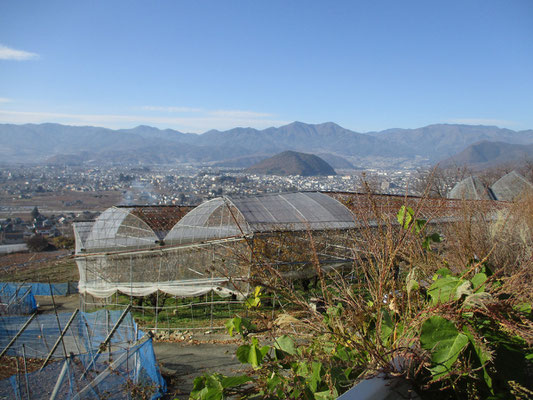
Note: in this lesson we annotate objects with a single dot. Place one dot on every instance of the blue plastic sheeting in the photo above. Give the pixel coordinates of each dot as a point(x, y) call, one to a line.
point(43, 289)
point(136, 376)
point(16, 299)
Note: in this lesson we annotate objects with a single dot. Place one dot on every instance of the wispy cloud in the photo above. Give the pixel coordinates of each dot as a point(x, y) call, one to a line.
point(482, 121)
point(196, 124)
point(7, 53)
point(171, 109)
point(5, 100)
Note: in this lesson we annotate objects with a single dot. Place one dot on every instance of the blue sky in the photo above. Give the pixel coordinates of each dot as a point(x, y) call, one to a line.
point(200, 65)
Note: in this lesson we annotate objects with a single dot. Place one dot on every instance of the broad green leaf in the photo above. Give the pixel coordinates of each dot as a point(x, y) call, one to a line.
point(239, 325)
point(442, 272)
point(444, 341)
point(445, 289)
point(286, 344)
point(207, 387)
point(419, 225)
point(251, 354)
point(315, 379)
point(478, 282)
point(234, 324)
point(232, 381)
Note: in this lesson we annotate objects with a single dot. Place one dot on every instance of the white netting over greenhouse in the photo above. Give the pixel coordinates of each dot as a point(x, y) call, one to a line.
point(209, 248)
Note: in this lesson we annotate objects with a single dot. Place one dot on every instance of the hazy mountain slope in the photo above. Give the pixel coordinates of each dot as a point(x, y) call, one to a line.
point(37, 143)
point(485, 153)
point(292, 163)
point(444, 140)
point(336, 161)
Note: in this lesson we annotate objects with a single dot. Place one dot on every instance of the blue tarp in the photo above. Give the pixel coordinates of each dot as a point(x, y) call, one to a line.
point(16, 299)
point(136, 376)
point(43, 289)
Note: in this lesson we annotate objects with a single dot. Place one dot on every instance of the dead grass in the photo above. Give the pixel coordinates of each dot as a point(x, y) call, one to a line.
point(56, 266)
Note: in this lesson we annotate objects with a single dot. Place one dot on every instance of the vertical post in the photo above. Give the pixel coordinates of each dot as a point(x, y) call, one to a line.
point(18, 376)
point(212, 304)
point(26, 372)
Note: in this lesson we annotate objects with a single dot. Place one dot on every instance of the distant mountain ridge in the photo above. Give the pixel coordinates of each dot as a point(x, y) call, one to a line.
point(292, 163)
point(36, 143)
point(485, 154)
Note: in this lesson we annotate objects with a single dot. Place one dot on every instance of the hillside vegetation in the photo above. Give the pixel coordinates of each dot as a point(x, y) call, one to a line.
point(292, 163)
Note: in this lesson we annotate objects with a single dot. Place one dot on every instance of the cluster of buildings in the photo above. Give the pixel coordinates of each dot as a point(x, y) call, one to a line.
point(183, 184)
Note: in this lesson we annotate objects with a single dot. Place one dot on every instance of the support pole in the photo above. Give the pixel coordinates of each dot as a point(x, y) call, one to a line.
point(26, 373)
point(18, 334)
point(113, 366)
point(60, 378)
point(57, 318)
point(59, 339)
point(103, 345)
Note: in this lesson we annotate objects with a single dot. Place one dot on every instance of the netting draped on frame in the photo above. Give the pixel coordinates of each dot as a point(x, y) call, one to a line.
point(116, 229)
point(126, 368)
point(16, 298)
point(209, 248)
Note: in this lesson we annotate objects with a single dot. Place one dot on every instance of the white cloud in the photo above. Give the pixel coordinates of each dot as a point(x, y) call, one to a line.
point(7, 53)
point(5, 100)
point(482, 121)
point(197, 124)
point(172, 109)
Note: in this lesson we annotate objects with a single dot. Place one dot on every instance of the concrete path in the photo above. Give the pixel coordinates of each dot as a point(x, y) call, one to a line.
point(181, 363)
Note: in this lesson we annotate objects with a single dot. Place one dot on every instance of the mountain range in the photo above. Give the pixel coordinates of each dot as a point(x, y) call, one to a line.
point(36, 143)
point(486, 154)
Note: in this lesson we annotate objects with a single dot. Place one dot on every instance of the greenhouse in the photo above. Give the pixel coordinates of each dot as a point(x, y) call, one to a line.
point(219, 247)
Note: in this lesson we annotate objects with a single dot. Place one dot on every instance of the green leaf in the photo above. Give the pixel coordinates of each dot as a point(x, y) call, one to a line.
point(286, 344)
point(419, 225)
point(433, 238)
point(273, 382)
point(327, 395)
point(444, 341)
point(207, 387)
point(252, 353)
point(478, 282)
point(442, 272)
point(232, 381)
point(483, 356)
point(412, 283)
point(234, 324)
point(239, 325)
point(315, 379)
point(524, 308)
point(405, 216)
point(447, 289)
point(387, 326)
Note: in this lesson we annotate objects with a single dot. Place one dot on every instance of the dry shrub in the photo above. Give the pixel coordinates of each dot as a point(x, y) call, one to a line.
point(499, 234)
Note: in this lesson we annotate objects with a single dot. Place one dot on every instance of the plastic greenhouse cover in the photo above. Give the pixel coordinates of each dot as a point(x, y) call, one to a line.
point(105, 231)
point(263, 213)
